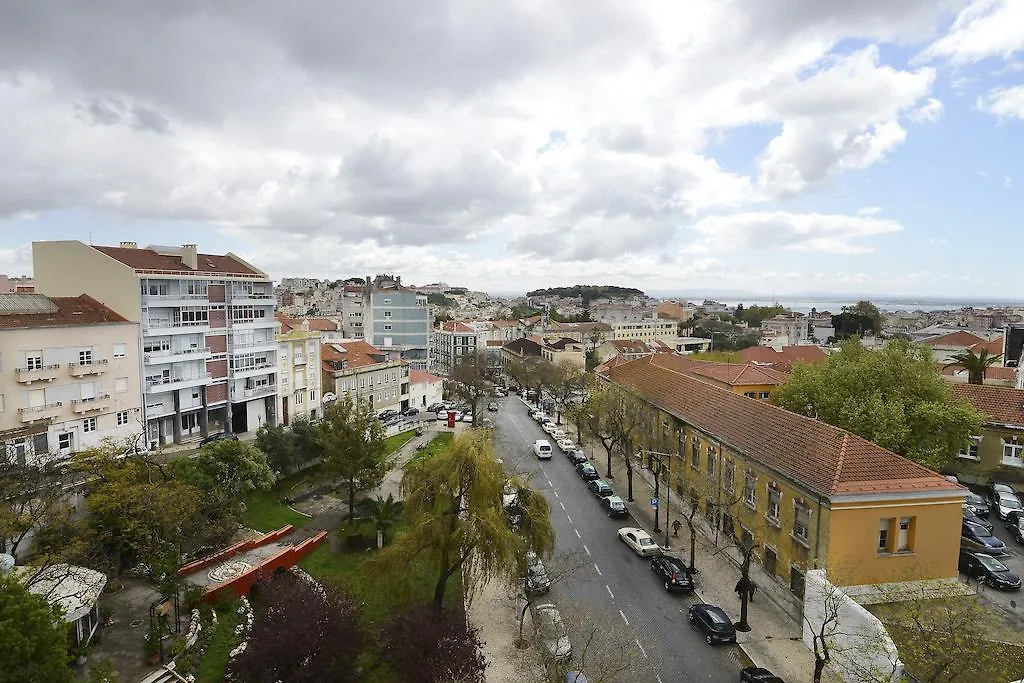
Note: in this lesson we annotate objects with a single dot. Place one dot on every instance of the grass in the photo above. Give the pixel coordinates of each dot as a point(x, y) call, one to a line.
point(436, 445)
point(265, 512)
point(396, 441)
point(215, 661)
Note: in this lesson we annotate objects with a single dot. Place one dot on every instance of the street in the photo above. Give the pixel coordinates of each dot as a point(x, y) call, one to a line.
point(1014, 560)
point(614, 584)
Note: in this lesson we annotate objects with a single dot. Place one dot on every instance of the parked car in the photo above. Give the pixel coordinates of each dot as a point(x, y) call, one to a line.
point(600, 488)
point(411, 412)
point(434, 407)
point(577, 456)
point(542, 449)
point(757, 674)
point(614, 506)
point(639, 541)
point(492, 407)
point(587, 471)
point(1007, 503)
point(567, 445)
point(222, 436)
point(978, 505)
point(551, 632)
point(713, 622)
point(500, 393)
point(971, 517)
point(673, 573)
point(988, 570)
point(996, 489)
point(487, 423)
point(1017, 530)
point(536, 581)
point(558, 434)
point(386, 414)
point(976, 537)
point(550, 428)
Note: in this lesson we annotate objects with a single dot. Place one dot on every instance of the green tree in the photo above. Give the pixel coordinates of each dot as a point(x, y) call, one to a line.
point(754, 315)
point(384, 513)
point(849, 324)
point(352, 440)
point(457, 524)
point(976, 364)
point(892, 397)
point(225, 472)
point(869, 311)
point(280, 447)
point(615, 421)
point(33, 636)
point(34, 497)
point(471, 380)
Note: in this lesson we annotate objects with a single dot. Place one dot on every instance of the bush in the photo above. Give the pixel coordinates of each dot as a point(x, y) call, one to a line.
point(423, 646)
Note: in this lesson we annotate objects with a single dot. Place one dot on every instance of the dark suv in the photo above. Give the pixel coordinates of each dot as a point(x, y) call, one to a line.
point(713, 622)
point(673, 573)
point(223, 436)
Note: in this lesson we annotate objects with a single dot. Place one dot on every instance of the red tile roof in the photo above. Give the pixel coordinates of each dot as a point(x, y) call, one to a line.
point(996, 372)
point(631, 346)
point(825, 459)
point(1003, 405)
point(612, 362)
point(993, 346)
point(733, 374)
point(785, 359)
point(315, 324)
point(357, 352)
point(420, 377)
point(958, 338)
point(57, 311)
point(150, 259)
point(456, 326)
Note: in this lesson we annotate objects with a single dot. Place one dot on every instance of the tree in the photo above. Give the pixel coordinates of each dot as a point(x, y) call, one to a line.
point(614, 420)
point(754, 315)
point(472, 381)
point(738, 313)
point(558, 569)
point(893, 397)
point(33, 636)
point(279, 446)
point(302, 633)
point(352, 440)
point(424, 646)
point(567, 380)
point(34, 497)
point(976, 364)
point(385, 514)
point(869, 311)
point(850, 324)
point(453, 503)
point(225, 472)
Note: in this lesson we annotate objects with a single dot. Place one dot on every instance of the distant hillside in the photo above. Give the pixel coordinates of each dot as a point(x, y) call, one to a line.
point(588, 292)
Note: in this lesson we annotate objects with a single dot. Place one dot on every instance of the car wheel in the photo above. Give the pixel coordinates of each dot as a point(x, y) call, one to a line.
point(707, 639)
point(689, 617)
point(666, 587)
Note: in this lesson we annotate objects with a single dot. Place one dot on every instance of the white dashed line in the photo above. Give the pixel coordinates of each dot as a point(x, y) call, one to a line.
point(556, 494)
point(598, 569)
point(562, 504)
point(568, 517)
point(577, 533)
point(623, 615)
point(642, 650)
point(609, 589)
point(586, 548)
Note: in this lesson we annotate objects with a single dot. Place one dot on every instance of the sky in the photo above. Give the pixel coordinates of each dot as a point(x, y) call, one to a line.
point(785, 146)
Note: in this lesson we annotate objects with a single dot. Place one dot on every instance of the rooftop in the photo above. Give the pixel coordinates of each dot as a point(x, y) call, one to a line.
point(1003, 405)
point(825, 459)
point(733, 374)
point(170, 259)
point(74, 589)
point(355, 353)
point(27, 311)
point(420, 377)
point(958, 338)
point(783, 358)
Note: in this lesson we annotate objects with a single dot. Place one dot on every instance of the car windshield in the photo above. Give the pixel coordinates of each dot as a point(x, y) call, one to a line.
point(975, 499)
point(717, 618)
point(644, 540)
point(991, 563)
point(1009, 502)
point(675, 566)
point(978, 530)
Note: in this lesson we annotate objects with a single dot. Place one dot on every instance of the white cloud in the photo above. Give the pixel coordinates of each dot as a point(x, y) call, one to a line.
point(1007, 182)
point(1004, 103)
point(986, 28)
point(929, 112)
point(869, 211)
point(831, 233)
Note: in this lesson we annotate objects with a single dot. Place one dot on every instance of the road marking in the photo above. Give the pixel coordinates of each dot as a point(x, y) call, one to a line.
point(577, 533)
point(642, 650)
point(598, 569)
point(623, 615)
point(609, 589)
point(550, 483)
point(586, 548)
point(568, 517)
point(562, 504)
point(556, 493)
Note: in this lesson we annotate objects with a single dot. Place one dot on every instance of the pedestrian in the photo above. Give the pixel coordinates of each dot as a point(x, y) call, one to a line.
point(741, 587)
point(752, 587)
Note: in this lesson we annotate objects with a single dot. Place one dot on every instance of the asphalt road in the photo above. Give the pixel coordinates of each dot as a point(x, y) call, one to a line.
point(610, 582)
point(1011, 601)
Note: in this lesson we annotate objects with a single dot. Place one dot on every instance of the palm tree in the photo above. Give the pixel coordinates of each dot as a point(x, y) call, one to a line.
point(385, 514)
point(976, 364)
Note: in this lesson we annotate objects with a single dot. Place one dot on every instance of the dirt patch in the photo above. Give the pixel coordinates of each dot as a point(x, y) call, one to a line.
point(493, 611)
point(319, 505)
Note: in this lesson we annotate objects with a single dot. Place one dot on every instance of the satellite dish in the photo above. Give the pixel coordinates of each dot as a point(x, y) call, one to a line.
point(6, 563)
point(328, 397)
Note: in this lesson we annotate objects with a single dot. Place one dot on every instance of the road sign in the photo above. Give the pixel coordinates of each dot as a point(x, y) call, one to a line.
point(654, 502)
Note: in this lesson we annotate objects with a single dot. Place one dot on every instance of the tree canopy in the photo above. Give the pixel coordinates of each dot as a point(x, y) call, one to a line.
point(471, 380)
point(976, 364)
point(589, 292)
point(352, 440)
point(33, 636)
point(893, 397)
point(755, 315)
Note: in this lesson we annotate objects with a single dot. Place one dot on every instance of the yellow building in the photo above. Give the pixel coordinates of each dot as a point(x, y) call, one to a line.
point(809, 495)
point(298, 372)
point(998, 452)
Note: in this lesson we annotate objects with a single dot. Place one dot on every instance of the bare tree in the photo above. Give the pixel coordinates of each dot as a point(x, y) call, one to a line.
point(557, 569)
point(472, 381)
point(567, 380)
point(615, 420)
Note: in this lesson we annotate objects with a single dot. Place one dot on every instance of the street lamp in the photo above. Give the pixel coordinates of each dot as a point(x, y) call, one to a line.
point(659, 462)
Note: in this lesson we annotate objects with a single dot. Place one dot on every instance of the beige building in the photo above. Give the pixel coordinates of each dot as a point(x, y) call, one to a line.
point(364, 372)
point(69, 378)
point(298, 373)
point(558, 351)
point(647, 330)
point(209, 337)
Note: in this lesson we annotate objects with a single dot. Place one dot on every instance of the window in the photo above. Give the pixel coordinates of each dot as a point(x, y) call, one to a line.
point(1013, 451)
point(298, 397)
point(883, 535)
point(387, 301)
point(770, 560)
point(194, 315)
point(695, 454)
point(796, 581)
point(312, 395)
point(904, 535)
point(801, 520)
point(40, 444)
point(196, 287)
point(89, 425)
point(157, 345)
point(156, 289)
point(65, 441)
point(387, 314)
point(34, 360)
point(387, 327)
point(120, 385)
point(123, 418)
point(764, 395)
point(120, 350)
point(971, 451)
point(18, 450)
point(774, 501)
point(84, 356)
point(750, 394)
point(730, 476)
point(750, 490)
point(712, 461)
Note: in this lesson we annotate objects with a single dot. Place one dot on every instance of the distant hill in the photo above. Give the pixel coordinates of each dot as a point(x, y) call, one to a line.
point(588, 292)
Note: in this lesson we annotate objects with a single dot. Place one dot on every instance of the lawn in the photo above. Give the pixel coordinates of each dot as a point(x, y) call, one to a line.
point(393, 443)
point(436, 445)
point(265, 512)
point(215, 661)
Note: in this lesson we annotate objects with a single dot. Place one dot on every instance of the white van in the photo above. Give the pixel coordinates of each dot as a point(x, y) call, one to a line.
point(542, 449)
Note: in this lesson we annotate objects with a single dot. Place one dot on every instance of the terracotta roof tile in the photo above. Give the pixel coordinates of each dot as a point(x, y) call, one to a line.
point(456, 326)
point(733, 374)
point(357, 352)
point(1004, 405)
point(825, 459)
point(785, 359)
point(958, 338)
point(993, 346)
point(630, 346)
point(150, 259)
point(420, 377)
point(996, 372)
point(64, 311)
point(315, 324)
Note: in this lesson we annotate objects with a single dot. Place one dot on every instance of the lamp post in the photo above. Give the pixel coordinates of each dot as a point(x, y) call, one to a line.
point(659, 463)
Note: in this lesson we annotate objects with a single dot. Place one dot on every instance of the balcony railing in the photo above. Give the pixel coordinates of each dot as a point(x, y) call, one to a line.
point(43, 412)
point(85, 405)
point(175, 324)
point(46, 373)
point(157, 356)
point(257, 392)
point(96, 367)
point(166, 383)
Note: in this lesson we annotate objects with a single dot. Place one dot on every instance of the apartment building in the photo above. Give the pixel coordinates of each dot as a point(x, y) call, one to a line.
point(208, 334)
point(564, 350)
point(648, 330)
point(397, 320)
point(450, 343)
point(998, 451)
point(352, 309)
point(785, 329)
point(808, 494)
point(356, 368)
point(617, 313)
point(69, 376)
point(298, 372)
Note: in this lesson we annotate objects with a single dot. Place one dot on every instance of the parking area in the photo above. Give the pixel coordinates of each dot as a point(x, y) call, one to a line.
point(1011, 601)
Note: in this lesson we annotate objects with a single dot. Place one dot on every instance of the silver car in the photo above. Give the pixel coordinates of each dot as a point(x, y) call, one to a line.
point(551, 633)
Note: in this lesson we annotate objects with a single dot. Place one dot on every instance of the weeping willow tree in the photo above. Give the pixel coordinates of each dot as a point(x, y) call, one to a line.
point(453, 505)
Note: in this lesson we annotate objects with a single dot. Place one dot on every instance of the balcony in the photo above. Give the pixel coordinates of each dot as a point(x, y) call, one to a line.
point(255, 370)
point(41, 413)
point(254, 323)
point(46, 373)
point(176, 355)
point(164, 326)
point(249, 394)
point(253, 346)
point(96, 367)
point(253, 299)
point(88, 405)
point(161, 385)
point(173, 300)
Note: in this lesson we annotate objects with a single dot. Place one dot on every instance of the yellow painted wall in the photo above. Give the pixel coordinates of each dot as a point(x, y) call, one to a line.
point(853, 533)
point(71, 268)
point(989, 464)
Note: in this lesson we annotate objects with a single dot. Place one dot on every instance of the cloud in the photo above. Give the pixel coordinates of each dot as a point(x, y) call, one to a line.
point(929, 112)
point(869, 211)
point(778, 230)
point(986, 28)
point(1003, 103)
point(1007, 182)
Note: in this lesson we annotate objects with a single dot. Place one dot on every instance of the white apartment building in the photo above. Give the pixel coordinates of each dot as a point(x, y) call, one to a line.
point(452, 342)
point(69, 376)
point(208, 334)
point(364, 372)
point(785, 330)
point(298, 373)
point(648, 330)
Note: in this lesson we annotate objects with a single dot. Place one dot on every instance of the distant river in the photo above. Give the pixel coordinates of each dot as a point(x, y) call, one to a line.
point(883, 304)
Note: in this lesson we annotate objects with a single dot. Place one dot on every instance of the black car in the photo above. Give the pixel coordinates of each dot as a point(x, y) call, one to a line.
point(978, 505)
point(713, 622)
point(410, 412)
point(587, 471)
point(600, 488)
point(577, 456)
point(988, 570)
point(492, 406)
point(388, 414)
point(614, 506)
point(977, 538)
point(223, 436)
point(995, 488)
point(673, 573)
point(1016, 529)
point(971, 517)
point(757, 674)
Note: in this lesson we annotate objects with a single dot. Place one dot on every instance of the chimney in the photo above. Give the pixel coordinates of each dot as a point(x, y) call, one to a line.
point(190, 256)
point(129, 245)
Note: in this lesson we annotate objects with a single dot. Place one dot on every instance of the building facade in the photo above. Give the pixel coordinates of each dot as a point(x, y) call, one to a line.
point(647, 330)
point(452, 342)
point(785, 329)
point(366, 374)
point(299, 375)
point(425, 389)
point(208, 333)
point(69, 376)
point(397, 321)
point(998, 452)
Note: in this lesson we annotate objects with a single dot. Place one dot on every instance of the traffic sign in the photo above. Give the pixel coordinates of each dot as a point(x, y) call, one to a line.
point(654, 502)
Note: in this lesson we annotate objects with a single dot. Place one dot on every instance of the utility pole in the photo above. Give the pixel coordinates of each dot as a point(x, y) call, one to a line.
point(660, 463)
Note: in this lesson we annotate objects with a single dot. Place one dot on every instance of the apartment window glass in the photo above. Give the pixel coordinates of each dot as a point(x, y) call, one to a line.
point(750, 490)
point(750, 394)
point(312, 395)
point(40, 444)
point(157, 345)
point(123, 418)
point(970, 452)
point(196, 287)
point(730, 476)
point(84, 356)
point(796, 581)
point(764, 395)
point(387, 327)
point(89, 424)
point(34, 360)
point(298, 398)
point(120, 350)
point(712, 461)
point(884, 539)
point(194, 315)
point(387, 301)
point(387, 314)
point(157, 289)
point(1013, 452)
point(695, 454)
point(65, 441)
point(120, 385)
point(774, 501)
point(801, 520)
point(903, 535)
